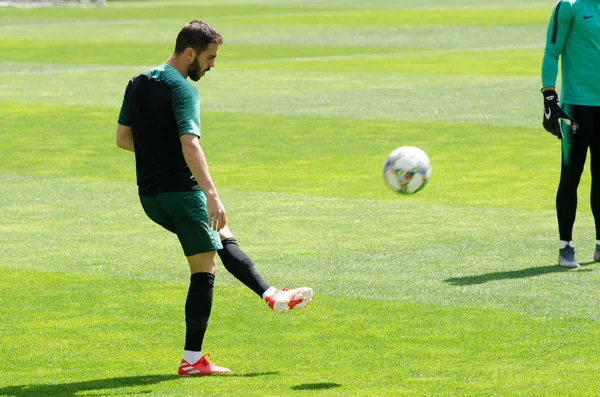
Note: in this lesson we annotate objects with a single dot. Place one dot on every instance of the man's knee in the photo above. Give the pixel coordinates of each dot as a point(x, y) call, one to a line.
point(225, 233)
point(203, 262)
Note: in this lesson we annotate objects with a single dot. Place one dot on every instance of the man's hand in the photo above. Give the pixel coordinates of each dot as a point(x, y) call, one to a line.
point(217, 217)
point(553, 114)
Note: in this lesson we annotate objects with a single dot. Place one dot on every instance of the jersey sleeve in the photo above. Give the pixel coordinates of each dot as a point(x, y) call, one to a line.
point(186, 107)
point(123, 115)
point(558, 30)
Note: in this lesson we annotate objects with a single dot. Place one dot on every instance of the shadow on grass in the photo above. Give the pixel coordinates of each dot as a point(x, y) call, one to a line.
point(523, 273)
point(72, 389)
point(315, 386)
point(251, 374)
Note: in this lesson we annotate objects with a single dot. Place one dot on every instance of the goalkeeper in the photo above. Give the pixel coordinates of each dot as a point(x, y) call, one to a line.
point(574, 36)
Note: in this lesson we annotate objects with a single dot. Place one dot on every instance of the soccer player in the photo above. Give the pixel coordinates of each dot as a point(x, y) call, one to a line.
point(574, 36)
point(160, 122)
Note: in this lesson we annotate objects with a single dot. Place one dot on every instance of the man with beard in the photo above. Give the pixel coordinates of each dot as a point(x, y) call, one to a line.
point(160, 122)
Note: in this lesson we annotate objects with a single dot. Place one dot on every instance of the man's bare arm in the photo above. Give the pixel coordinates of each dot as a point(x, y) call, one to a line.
point(195, 159)
point(125, 137)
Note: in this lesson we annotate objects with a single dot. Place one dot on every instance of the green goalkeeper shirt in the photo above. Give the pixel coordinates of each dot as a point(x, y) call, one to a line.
point(574, 36)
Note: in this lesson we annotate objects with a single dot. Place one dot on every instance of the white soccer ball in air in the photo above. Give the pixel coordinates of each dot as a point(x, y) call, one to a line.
point(407, 169)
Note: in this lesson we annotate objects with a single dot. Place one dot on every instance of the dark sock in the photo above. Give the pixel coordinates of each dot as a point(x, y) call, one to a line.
point(241, 266)
point(197, 309)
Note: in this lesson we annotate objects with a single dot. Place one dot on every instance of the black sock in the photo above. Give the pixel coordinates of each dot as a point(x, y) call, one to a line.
point(241, 266)
point(197, 309)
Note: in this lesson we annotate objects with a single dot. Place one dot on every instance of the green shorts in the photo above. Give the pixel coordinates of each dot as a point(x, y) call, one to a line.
point(184, 213)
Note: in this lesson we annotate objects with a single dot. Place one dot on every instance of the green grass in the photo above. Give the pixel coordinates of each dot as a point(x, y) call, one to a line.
point(450, 292)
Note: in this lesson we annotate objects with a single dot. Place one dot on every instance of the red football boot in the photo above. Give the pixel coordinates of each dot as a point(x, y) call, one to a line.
point(201, 367)
point(283, 300)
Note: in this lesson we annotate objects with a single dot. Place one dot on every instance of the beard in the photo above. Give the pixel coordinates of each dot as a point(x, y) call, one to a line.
point(195, 71)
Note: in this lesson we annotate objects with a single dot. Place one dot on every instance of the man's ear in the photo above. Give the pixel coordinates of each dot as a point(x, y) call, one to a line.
point(190, 54)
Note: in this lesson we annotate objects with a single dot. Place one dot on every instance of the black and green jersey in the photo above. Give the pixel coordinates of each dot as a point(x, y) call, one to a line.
point(574, 36)
point(160, 105)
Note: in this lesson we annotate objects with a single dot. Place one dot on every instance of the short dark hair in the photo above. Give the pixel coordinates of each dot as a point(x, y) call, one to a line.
point(197, 35)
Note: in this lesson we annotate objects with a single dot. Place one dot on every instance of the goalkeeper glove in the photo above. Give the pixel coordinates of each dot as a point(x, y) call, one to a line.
point(553, 114)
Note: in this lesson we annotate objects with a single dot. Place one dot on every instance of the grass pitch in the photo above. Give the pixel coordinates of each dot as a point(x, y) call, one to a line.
point(450, 292)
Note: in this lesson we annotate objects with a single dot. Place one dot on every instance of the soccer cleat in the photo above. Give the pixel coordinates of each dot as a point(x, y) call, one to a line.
point(202, 367)
point(597, 253)
point(566, 257)
point(283, 300)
